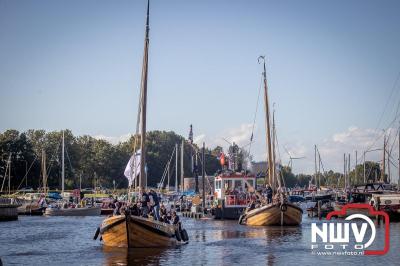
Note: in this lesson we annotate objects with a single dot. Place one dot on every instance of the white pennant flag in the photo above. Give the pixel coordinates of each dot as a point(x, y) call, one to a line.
point(132, 169)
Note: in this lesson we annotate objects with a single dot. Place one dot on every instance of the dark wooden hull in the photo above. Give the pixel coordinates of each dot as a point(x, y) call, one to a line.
point(107, 211)
point(137, 232)
point(228, 213)
point(8, 212)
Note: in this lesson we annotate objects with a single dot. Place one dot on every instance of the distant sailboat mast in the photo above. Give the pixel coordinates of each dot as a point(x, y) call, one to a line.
point(63, 167)
point(143, 178)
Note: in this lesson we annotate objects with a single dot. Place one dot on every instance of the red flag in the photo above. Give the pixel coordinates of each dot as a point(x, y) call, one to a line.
point(222, 159)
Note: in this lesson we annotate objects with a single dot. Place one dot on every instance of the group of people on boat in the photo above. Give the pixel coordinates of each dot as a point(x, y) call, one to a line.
point(264, 196)
point(147, 205)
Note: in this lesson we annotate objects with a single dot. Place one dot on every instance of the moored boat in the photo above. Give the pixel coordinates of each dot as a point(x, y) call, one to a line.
point(232, 194)
point(85, 211)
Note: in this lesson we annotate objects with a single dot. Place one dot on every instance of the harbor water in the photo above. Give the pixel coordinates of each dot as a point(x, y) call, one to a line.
point(69, 241)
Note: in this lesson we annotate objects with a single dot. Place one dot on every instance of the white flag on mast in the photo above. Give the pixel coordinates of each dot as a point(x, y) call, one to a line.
point(132, 169)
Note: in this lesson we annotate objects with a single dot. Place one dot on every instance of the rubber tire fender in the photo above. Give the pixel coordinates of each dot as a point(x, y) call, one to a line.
point(97, 233)
point(178, 235)
point(184, 235)
point(283, 208)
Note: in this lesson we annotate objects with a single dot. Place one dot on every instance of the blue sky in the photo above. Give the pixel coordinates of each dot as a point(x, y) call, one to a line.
point(331, 70)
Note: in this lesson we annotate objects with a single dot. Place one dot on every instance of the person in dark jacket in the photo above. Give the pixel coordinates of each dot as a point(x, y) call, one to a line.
point(174, 218)
point(269, 194)
point(144, 204)
point(117, 206)
point(156, 204)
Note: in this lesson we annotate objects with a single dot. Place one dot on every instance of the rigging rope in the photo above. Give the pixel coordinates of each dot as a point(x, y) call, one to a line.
point(255, 115)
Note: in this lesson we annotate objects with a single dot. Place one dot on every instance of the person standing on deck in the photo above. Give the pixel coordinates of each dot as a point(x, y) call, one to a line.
point(156, 206)
point(269, 194)
point(144, 203)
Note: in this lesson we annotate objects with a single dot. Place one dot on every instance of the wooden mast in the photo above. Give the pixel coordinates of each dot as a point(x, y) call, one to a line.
point(142, 180)
point(62, 167)
point(44, 172)
point(267, 124)
point(384, 160)
point(275, 177)
point(176, 166)
point(182, 171)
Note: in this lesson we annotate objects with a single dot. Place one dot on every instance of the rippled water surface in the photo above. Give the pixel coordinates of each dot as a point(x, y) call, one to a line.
point(68, 241)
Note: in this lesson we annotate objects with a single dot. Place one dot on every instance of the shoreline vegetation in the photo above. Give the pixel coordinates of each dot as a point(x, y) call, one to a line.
point(97, 162)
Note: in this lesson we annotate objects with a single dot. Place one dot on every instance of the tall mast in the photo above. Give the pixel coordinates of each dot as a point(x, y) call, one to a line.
point(176, 166)
point(344, 171)
point(182, 173)
point(319, 169)
point(63, 167)
point(9, 175)
point(348, 172)
point(384, 160)
point(273, 152)
point(315, 166)
point(6, 172)
point(355, 171)
point(142, 180)
point(44, 172)
point(267, 124)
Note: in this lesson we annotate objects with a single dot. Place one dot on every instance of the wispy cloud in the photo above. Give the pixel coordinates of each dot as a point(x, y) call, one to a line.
point(331, 149)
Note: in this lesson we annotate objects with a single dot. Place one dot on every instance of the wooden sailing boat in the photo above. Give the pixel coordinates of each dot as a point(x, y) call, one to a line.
point(134, 231)
point(280, 211)
point(60, 210)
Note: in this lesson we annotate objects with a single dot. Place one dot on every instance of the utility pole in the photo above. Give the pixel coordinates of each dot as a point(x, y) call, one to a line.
point(398, 181)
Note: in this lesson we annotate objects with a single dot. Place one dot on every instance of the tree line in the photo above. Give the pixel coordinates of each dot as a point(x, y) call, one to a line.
point(91, 162)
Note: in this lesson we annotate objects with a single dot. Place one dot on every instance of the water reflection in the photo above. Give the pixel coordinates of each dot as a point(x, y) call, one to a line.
point(133, 256)
point(68, 241)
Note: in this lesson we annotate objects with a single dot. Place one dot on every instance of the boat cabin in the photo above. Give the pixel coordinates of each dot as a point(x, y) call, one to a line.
point(234, 188)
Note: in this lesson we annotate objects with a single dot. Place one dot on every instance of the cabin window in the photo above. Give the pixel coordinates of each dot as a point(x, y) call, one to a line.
point(228, 184)
point(218, 184)
point(251, 182)
point(238, 185)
